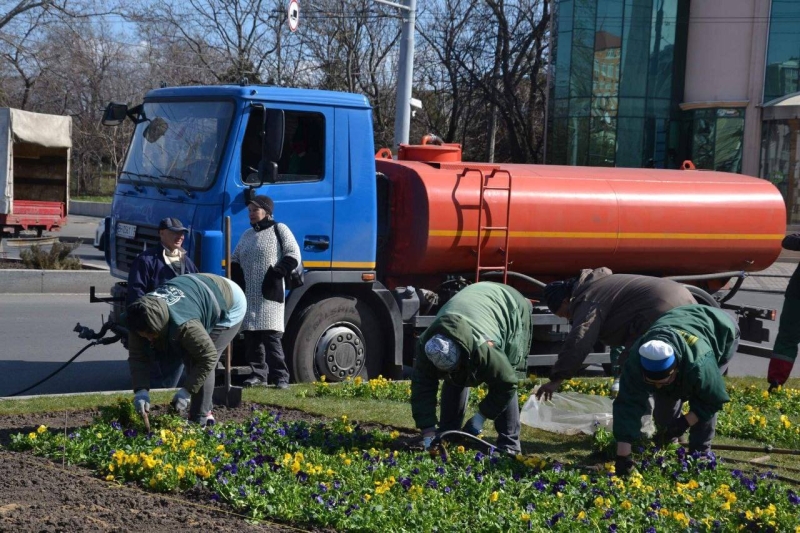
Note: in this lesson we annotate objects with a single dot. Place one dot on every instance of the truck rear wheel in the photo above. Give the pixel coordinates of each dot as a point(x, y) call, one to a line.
point(337, 337)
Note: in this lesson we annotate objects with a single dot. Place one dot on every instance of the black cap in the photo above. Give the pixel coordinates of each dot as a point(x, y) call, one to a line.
point(556, 292)
point(264, 202)
point(172, 224)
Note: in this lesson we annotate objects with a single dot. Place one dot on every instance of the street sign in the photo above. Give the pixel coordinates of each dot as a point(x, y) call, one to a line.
point(293, 15)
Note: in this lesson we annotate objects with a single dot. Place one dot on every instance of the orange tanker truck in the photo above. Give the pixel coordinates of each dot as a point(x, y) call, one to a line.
point(386, 241)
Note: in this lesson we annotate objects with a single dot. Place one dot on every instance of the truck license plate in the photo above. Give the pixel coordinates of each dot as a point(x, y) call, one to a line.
point(126, 230)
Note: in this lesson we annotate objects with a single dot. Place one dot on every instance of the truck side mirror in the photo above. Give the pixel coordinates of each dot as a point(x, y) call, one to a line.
point(114, 114)
point(272, 147)
point(268, 171)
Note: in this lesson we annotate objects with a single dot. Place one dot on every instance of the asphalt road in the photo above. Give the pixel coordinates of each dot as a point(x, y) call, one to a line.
point(36, 337)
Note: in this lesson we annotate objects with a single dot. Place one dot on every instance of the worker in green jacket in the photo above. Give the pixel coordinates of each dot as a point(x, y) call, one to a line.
point(482, 335)
point(682, 357)
point(194, 316)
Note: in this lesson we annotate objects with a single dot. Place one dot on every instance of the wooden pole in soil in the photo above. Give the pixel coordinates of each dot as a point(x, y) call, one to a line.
point(229, 350)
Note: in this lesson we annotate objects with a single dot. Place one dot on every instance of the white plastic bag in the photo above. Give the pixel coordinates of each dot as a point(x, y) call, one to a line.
point(570, 413)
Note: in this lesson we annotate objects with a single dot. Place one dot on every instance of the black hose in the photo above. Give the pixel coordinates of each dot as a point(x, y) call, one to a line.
point(456, 433)
point(705, 277)
point(62, 367)
point(512, 274)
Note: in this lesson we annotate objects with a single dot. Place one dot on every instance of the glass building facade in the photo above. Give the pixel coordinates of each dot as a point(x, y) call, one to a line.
point(713, 138)
point(783, 50)
point(618, 80)
point(780, 127)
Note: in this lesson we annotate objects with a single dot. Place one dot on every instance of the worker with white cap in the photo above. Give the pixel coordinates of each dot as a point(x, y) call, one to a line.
point(682, 357)
point(481, 335)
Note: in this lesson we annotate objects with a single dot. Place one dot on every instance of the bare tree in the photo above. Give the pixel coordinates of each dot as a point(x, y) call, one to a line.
point(351, 45)
point(79, 81)
point(230, 39)
point(484, 57)
point(443, 82)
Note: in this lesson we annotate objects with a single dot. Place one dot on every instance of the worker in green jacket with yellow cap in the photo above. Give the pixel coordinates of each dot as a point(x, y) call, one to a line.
point(682, 357)
point(481, 335)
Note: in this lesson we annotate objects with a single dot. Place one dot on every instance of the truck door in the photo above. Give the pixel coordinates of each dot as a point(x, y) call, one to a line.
point(303, 193)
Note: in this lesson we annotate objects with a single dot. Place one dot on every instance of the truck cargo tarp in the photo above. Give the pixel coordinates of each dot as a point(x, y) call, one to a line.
point(16, 126)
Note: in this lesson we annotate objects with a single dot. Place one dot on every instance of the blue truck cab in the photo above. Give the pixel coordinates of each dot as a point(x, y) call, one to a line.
point(197, 154)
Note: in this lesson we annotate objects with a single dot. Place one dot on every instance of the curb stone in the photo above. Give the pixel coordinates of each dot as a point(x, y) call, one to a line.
point(21, 281)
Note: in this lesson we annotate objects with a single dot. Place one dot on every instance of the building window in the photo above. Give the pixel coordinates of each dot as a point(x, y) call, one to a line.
point(780, 162)
point(783, 52)
point(717, 136)
point(618, 79)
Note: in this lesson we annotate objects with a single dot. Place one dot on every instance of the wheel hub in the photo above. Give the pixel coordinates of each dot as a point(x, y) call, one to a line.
point(340, 352)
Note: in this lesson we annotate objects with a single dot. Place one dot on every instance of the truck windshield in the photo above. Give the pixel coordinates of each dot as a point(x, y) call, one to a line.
point(178, 145)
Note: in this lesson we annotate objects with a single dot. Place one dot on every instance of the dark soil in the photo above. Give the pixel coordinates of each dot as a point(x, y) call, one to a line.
point(8, 264)
point(37, 494)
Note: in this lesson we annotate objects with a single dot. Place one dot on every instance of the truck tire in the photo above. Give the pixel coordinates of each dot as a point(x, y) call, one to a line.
point(337, 337)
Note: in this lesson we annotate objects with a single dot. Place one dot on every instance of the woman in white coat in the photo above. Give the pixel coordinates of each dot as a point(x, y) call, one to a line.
point(265, 254)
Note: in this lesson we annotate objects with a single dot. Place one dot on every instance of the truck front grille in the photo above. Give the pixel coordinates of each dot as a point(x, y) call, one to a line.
point(128, 249)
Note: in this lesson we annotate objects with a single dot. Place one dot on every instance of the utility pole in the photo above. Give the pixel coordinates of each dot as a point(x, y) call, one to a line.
point(405, 71)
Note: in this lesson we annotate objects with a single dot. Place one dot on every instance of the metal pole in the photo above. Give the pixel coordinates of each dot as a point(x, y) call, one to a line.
point(405, 75)
point(550, 66)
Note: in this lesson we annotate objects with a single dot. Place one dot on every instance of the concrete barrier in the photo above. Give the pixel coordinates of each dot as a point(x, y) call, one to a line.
point(21, 281)
point(89, 209)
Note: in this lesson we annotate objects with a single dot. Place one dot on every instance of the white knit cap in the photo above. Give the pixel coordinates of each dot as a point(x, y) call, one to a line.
point(443, 352)
point(657, 356)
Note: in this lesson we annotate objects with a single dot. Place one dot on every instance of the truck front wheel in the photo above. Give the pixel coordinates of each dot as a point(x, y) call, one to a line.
point(337, 337)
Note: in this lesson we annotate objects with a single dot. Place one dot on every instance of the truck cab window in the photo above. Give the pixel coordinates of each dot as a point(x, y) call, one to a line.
point(303, 157)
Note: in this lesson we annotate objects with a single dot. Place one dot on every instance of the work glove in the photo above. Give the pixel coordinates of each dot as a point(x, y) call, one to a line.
point(181, 400)
point(548, 389)
point(427, 437)
point(676, 428)
point(141, 401)
point(272, 286)
point(623, 466)
point(474, 425)
point(237, 275)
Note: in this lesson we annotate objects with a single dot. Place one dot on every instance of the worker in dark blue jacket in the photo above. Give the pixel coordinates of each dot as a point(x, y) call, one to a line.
point(151, 269)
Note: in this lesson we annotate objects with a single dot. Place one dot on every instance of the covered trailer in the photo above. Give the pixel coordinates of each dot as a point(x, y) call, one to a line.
point(35, 152)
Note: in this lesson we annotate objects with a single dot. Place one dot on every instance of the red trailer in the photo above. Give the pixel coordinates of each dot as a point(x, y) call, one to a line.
point(34, 171)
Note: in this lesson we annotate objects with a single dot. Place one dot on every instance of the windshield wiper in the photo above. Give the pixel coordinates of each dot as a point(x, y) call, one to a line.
point(183, 181)
point(153, 181)
point(137, 185)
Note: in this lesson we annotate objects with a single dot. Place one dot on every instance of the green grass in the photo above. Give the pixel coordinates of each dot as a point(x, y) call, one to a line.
point(101, 199)
point(392, 413)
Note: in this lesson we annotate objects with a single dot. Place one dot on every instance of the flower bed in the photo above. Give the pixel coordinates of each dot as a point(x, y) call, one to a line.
point(751, 414)
point(339, 475)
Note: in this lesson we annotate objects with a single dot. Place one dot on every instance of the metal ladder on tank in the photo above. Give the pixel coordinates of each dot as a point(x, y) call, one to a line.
point(482, 230)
